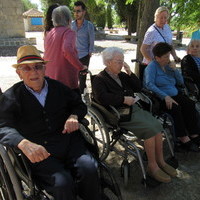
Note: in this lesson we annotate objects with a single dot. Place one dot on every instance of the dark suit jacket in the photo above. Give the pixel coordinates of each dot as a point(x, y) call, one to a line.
point(189, 68)
point(108, 92)
point(22, 116)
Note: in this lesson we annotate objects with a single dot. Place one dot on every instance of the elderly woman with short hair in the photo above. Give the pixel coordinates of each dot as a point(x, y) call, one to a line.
point(116, 88)
point(60, 49)
point(190, 64)
point(158, 32)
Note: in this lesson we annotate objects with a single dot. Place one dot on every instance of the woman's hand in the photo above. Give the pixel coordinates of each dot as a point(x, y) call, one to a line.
point(169, 101)
point(177, 59)
point(34, 152)
point(128, 100)
point(127, 68)
point(144, 49)
point(71, 124)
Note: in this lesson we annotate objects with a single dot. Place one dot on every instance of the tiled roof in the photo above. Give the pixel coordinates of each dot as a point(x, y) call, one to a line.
point(33, 13)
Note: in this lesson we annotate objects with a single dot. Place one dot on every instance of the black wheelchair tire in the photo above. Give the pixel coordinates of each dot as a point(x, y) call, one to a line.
point(14, 187)
point(103, 141)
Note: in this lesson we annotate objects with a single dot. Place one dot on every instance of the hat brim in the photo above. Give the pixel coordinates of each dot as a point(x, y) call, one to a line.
point(29, 62)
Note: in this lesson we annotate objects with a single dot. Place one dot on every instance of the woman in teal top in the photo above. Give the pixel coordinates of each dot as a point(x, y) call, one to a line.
point(162, 77)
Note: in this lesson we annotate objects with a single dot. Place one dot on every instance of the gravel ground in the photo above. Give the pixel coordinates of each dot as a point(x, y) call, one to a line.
point(184, 187)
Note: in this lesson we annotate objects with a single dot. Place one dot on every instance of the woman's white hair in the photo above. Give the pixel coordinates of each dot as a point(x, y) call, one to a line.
point(61, 16)
point(159, 10)
point(109, 53)
point(192, 42)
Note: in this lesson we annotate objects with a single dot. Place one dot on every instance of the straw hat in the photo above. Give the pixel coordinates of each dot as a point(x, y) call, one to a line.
point(28, 54)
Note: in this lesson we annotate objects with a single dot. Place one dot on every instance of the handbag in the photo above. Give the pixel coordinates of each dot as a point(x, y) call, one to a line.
point(125, 113)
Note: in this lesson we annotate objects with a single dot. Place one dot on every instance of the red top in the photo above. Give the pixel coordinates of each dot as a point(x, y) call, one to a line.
point(60, 50)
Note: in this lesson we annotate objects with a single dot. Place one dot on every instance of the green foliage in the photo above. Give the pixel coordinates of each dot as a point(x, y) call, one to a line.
point(100, 19)
point(28, 5)
point(129, 1)
point(185, 14)
point(46, 3)
point(109, 17)
point(127, 13)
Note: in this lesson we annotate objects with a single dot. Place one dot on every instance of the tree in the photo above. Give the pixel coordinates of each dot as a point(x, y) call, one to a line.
point(147, 9)
point(184, 13)
point(109, 16)
point(28, 5)
point(127, 13)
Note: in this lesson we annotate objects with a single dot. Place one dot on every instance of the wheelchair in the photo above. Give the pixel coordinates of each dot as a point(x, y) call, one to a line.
point(104, 124)
point(16, 182)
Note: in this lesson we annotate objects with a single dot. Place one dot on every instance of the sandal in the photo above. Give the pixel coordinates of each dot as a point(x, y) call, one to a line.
point(160, 176)
point(169, 170)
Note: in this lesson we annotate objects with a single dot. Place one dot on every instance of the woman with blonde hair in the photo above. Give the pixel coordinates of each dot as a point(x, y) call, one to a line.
point(157, 32)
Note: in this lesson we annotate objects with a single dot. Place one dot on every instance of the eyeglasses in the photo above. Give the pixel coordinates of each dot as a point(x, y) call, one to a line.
point(27, 68)
point(118, 61)
point(77, 11)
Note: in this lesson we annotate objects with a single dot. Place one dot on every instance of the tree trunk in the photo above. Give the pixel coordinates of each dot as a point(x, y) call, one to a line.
point(147, 7)
point(129, 24)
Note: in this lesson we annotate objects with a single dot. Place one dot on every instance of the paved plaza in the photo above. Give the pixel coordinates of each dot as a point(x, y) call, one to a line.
point(185, 187)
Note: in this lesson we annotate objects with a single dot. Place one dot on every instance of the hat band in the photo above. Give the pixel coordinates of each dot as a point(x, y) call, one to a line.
point(29, 57)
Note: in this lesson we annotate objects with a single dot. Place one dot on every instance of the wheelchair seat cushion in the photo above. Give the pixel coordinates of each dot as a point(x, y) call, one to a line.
point(142, 124)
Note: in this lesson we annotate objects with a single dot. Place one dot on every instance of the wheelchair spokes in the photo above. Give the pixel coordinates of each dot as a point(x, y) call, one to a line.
point(99, 130)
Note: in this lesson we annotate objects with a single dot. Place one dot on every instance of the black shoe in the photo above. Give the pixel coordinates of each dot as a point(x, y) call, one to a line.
point(196, 140)
point(189, 146)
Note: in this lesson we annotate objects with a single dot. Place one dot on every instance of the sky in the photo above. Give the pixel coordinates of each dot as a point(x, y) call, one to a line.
point(37, 2)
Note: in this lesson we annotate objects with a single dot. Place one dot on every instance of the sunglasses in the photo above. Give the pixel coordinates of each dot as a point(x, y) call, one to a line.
point(77, 11)
point(27, 68)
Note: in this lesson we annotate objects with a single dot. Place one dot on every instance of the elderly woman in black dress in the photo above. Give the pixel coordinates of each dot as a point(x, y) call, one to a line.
point(116, 88)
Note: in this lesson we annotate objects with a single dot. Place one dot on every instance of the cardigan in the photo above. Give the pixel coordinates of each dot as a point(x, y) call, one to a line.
point(162, 83)
point(107, 91)
point(22, 116)
point(189, 68)
point(60, 51)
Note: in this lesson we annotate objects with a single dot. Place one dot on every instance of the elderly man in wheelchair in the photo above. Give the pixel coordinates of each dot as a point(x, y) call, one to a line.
point(116, 88)
point(40, 117)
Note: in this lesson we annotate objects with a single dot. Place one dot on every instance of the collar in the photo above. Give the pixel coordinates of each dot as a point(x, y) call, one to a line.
point(32, 91)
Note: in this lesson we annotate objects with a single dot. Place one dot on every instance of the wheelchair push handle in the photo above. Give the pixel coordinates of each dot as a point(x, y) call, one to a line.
point(136, 60)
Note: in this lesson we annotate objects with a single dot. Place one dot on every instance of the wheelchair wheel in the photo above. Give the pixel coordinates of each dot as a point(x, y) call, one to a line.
point(109, 187)
point(99, 129)
point(6, 190)
point(10, 184)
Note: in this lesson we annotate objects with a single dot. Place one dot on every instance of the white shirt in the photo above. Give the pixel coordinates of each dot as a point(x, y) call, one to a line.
point(152, 37)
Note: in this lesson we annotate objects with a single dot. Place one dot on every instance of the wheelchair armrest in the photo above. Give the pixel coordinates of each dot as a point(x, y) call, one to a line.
point(84, 122)
point(148, 92)
point(109, 117)
point(152, 99)
point(115, 111)
point(145, 97)
point(188, 79)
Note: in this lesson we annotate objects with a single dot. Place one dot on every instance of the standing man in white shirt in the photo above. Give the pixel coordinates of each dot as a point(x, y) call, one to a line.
point(84, 39)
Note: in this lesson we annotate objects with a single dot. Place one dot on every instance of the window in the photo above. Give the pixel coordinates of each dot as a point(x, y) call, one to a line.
point(36, 21)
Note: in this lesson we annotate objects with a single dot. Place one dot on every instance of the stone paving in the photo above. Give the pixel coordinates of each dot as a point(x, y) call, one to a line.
point(185, 186)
